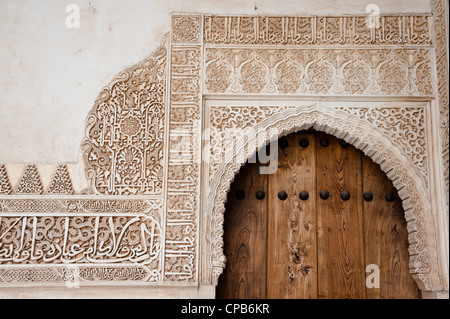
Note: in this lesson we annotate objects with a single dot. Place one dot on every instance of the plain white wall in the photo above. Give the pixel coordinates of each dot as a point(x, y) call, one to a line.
point(50, 75)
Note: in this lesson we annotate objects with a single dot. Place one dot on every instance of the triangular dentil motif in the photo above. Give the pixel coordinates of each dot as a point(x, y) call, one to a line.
point(30, 182)
point(5, 186)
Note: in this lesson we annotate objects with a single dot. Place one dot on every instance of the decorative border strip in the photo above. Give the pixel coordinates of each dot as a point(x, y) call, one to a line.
point(440, 16)
point(124, 235)
point(184, 158)
point(269, 30)
point(375, 144)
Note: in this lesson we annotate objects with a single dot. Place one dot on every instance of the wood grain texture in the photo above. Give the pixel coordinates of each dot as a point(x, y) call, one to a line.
point(340, 232)
point(315, 248)
point(386, 238)
point(292, 256)
point(245, 238)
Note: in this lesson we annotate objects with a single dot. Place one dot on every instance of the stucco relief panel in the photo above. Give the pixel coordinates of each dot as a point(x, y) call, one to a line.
point(319, 71)
point(139, 220)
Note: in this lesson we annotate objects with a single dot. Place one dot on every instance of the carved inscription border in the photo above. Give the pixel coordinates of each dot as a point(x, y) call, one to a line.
point(150, 216)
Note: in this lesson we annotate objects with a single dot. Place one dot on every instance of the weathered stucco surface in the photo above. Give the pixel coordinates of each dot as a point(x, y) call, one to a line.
point(51, 75)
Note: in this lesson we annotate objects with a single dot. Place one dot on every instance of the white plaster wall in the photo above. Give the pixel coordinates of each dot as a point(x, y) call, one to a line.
point(50, 75)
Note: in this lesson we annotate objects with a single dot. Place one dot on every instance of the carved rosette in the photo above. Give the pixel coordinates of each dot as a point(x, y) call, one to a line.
point(186, 29)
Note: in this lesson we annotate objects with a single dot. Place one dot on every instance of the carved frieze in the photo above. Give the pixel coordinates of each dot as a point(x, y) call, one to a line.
point(140, 219)
point(404, 72)
point(267, 30)
point(184, 159)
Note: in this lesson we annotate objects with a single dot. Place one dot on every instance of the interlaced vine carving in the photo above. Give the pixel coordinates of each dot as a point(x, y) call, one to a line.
point(319, 71)
point(242, 30)
point(30, 182)
point(406, 126)
point(124, 143)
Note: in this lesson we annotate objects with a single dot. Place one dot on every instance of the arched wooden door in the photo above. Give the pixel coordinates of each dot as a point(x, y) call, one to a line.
point(311, 229)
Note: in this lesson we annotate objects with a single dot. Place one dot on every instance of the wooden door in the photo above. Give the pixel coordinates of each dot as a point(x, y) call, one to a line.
point(311, 229)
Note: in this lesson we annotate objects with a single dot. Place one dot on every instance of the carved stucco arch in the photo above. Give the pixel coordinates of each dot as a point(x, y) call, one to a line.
point(160, 156)
point(374, 143)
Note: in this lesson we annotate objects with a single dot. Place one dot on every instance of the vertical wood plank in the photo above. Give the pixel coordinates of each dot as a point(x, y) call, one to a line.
point(340, 225)
point(245, 238)
point(292, 255)
point(386, 237)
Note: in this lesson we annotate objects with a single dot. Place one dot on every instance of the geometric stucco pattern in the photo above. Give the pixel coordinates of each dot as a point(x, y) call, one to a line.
point(124, 142)
point(374, 143)
point(407, 128)
point(140, 219)
point(319, 71)
point(440, 18)
point(405, 125)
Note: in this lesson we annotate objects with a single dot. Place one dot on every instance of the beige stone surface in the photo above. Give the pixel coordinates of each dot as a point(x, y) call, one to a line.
point(51, 75)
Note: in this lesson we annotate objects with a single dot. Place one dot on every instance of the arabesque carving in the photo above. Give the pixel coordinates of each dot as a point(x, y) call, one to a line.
point(405, 125)
point(319, 71)
point(354, 30)
point(124, 143)
point(5, 186)
point(61, 183)
point(141, 218)
point(30, 182)
point(373, 142)
point(440, 18)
